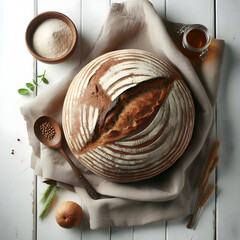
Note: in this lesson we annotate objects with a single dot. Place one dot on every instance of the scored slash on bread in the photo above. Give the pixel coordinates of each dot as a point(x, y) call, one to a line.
point(130, 112)
point(128, 116)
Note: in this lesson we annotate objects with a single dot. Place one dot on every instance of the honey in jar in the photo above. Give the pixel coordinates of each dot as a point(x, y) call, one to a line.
point(195, 41)
point(196, 38)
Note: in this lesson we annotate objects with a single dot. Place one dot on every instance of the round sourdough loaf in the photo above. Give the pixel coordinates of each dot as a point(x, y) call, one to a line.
point(128, 116)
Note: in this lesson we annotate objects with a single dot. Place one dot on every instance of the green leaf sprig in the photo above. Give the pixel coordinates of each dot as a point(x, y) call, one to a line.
point(46, 193)
point(47, 199)
point(31, 86)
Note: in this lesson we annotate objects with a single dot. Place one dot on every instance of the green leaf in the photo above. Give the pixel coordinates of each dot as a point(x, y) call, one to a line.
point(38, 76)
point(23, 91)
point(46, 193)
point(45, 80)
point(48, 203)
point(35, 83)
point(30, 86)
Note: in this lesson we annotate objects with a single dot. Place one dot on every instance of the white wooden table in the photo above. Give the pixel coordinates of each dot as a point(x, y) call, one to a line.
point(20, 190)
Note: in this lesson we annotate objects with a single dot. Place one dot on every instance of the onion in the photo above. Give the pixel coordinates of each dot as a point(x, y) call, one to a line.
point(69, 214)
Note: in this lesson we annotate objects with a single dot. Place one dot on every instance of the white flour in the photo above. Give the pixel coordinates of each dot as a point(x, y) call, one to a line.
point(52, 38)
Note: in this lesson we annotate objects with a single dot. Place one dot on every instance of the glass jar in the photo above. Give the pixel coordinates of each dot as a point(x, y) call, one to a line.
point(195, 40)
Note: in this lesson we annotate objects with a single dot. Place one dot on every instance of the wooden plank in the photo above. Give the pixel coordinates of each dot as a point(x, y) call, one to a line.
point(160, 7)
point(48, 228)
point(228, 211)
point(82, 14)
point(101, 234)
point(119, 233)
point(191, 12)
point(122, 233)
point(93, 14)
point(201, 12)
point(154, 230)
point(16, 185)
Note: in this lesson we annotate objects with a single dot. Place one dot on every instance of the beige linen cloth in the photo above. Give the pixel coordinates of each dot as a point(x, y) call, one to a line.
point(135, 24)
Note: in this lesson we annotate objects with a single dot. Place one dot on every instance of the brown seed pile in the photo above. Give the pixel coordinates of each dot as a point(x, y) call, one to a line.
point(47, 130)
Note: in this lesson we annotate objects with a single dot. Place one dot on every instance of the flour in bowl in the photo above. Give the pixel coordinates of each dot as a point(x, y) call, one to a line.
point(52, 39)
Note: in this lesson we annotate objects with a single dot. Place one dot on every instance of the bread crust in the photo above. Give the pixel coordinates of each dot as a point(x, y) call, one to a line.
point(128, 116)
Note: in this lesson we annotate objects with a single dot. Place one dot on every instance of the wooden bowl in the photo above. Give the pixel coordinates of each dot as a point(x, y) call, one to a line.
point(36, 21)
